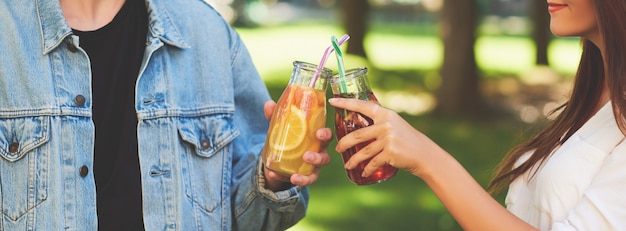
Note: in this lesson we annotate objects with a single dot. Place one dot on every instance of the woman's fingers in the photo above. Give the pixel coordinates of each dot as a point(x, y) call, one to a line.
point(367, 108)
point(369, 151)
point(356, 137)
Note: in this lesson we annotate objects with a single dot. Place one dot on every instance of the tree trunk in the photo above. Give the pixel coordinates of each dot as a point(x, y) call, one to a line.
point(355, 17)
point(541, 31)
point(459, 92)
point(241, 14)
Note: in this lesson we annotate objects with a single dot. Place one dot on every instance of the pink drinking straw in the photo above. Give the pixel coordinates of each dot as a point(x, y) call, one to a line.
point(327, 53)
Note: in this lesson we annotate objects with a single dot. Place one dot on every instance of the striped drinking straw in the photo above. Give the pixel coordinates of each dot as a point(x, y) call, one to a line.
point(339, 57)
point(329, 50)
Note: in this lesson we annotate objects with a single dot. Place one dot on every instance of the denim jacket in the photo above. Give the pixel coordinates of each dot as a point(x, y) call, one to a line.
point(199, 102)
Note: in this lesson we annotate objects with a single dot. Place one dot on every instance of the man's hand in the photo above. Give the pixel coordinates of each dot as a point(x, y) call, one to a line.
point(277, 182)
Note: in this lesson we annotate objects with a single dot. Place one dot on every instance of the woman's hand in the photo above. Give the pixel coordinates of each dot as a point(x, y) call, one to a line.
point(396, 142)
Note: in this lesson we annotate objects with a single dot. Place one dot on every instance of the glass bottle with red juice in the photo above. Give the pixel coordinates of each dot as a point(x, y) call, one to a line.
point(354, 84)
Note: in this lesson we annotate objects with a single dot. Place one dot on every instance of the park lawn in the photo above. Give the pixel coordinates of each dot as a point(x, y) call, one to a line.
point(404, 202)
point(273, 49)
point(399, 62)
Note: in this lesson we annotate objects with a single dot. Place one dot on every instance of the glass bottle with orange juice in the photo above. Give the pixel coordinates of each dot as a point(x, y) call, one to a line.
point(299, 113)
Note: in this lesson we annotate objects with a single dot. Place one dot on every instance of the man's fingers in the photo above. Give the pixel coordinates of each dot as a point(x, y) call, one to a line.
point(268, 109)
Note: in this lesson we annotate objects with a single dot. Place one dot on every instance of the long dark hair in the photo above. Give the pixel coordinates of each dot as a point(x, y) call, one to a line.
point(589, 83)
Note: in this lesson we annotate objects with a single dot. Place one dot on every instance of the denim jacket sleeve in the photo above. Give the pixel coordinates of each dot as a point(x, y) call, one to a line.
point(256, 208)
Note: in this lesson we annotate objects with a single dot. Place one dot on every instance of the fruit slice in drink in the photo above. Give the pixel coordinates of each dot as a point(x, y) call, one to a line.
point(299, 113)
point(289, 133)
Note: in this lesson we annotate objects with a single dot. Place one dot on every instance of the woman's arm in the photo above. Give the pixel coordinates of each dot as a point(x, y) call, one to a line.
point(397, 143)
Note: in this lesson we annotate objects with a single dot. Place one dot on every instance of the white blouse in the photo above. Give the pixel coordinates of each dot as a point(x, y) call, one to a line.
point(582, 186)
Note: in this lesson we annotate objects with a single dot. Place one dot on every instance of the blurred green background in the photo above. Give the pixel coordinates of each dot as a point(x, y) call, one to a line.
point(405, 53)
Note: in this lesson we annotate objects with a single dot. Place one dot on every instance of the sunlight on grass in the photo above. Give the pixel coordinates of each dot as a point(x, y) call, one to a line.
point(508, 55)
point(564, 55)
point(397, 51)
point(427, 201)
point(326, 206)
point(273, 49)
point(516, 55)
point(364, 197)
point(413, 103)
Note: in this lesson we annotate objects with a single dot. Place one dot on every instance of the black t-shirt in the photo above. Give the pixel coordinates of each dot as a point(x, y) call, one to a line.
point(116, 52)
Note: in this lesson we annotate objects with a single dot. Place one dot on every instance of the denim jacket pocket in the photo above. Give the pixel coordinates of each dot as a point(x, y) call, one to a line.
point(207, 154)
point(18, 136)
point(208, 134)
point(24, 165)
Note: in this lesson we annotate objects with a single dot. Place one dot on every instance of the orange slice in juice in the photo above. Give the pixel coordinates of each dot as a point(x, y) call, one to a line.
point(295, 126)
point(318, 119)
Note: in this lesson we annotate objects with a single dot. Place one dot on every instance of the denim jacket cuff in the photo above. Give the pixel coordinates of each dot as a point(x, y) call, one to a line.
point(280, 196)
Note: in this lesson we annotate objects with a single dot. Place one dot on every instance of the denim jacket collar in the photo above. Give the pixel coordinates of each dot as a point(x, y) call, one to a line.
point(54, 28)
point(53, 25)
point(160, 26)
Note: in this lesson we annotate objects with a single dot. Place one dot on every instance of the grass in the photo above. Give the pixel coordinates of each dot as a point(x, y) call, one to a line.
point(400, 62)
point(274, 48)
point(405, 202)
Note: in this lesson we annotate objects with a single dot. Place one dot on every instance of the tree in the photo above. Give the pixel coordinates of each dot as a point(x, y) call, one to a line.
point(355, 18)
point(541, 30)
point(241, 16)
point(459, 91)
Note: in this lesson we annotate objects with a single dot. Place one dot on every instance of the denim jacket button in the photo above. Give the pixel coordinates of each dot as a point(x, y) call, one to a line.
point(84, 170)
point(71, 47)
point(79, 100)
point(204, 144)
point(14, 147)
